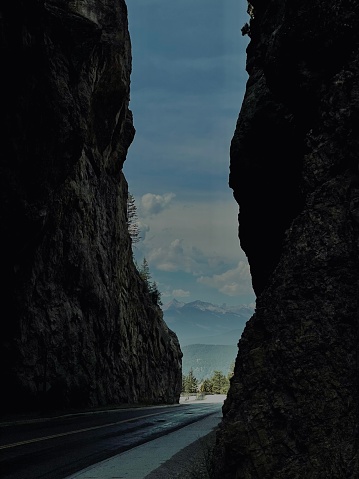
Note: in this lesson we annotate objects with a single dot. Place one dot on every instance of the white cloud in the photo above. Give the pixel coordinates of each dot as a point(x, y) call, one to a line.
point(207, 231)
point(143, 228)
point(196, 237)
point(171, 257)
point(178, 256)
point(193, 246)
point(152, 204)
point(166, 258)
point(180, 293)
point(232, 282)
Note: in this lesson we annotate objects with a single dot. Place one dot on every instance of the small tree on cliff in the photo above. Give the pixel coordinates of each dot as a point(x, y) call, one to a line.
point(145, 274)
point(155, 293)
point(132, 219)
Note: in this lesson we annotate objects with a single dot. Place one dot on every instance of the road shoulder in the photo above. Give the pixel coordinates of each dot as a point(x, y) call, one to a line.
point(142, 461)
point(192, 462)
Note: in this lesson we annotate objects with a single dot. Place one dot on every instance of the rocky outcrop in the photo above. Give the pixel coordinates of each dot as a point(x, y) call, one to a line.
point(78, 326)
point(292, 408)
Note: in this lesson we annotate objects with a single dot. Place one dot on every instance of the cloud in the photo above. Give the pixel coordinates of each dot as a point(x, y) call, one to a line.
point(176, 293)
point(152, 204)
point(180, 293)
point(177, 256)
point(232, 282)
point(196, 237)
point(169, 258)
point(143, 229)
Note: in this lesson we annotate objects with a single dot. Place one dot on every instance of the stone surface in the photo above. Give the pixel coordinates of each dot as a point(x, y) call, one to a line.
point(78, 326)
point(292, 408)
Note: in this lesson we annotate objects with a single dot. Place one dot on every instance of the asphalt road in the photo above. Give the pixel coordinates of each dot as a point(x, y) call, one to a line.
point(58, 447)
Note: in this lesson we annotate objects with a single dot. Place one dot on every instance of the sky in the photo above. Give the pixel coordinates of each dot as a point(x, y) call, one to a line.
point(187, 85)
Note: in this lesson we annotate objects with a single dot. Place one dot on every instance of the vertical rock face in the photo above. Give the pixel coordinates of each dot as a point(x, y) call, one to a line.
point(78, 326)
point(292, 409)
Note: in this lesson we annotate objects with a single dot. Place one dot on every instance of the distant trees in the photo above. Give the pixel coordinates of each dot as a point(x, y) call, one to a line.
point(189, 383)
point(206, 387)
point(218, 383)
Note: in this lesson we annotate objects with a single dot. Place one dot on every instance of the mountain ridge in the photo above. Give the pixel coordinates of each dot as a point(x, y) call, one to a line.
point(202, 322)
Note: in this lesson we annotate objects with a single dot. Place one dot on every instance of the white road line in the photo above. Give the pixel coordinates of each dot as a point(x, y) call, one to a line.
point(78, 431)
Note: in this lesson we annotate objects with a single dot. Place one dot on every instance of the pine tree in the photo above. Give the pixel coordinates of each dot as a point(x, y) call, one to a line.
point(183, 383)
point(153, 290)
point(190, 382)
point(155, 293)
point(220, 383)
point(132, 219)
point(145, 272)
point(206, 386)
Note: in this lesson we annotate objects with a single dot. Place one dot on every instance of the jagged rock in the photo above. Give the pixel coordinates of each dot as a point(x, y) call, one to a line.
point(292, 408)
point(78, 326)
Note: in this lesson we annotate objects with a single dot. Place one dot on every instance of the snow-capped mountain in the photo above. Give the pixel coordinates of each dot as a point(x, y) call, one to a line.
point(199, 322)
point(174, 304)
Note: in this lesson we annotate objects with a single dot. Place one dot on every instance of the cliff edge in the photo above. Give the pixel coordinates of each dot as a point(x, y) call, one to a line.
point(78, 325)
point(292, 408)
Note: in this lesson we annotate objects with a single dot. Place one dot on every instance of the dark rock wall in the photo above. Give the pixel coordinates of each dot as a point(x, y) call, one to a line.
point(78, 327)
point(292, 408)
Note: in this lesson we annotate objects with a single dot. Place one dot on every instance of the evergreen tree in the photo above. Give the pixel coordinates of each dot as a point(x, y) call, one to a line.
point(206, 386)
point(220, 383)
point(190, 383)
point(183, 383)
point(145, 271)
point(132, 219)
point(155, 293)
point(145, 274)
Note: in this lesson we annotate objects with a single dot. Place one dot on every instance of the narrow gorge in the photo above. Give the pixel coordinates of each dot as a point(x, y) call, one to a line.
point(78, 326)
point(292, 408)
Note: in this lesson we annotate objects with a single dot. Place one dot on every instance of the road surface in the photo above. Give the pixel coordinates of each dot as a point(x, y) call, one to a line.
point(59, 447)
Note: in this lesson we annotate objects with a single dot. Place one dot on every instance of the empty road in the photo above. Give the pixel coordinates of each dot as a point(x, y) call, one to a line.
point(58, 447)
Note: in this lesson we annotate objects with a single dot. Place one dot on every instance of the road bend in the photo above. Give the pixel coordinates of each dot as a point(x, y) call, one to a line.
point(54, 448)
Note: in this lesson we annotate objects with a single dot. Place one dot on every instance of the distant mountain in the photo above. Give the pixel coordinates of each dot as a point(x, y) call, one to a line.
point(204, 359)
point(229, 338)
point(206, 323)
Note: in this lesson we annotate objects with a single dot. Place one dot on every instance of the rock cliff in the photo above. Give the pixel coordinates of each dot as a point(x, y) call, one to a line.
point(78, 325)
point(292, 408)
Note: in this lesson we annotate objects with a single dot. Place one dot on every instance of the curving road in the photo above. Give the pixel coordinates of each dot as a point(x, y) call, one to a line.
point(55, 448)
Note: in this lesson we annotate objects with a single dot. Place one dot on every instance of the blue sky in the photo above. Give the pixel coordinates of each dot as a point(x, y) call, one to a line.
point(187, 85)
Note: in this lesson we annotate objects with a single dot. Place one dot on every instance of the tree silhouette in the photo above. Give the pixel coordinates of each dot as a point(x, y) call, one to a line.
point(144, 271)
point(145, 274)
point(132, 219)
